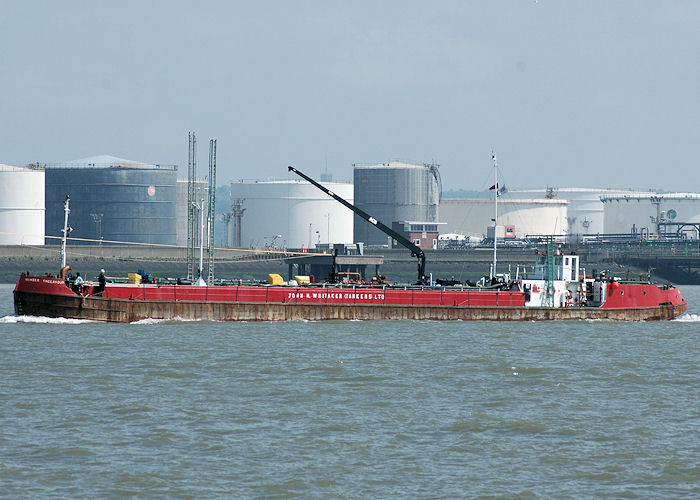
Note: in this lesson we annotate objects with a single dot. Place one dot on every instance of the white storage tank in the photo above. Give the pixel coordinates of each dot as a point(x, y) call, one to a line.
point(21, 205)
point(637, 213)
point(292, 213)
point(585, 210)
point(524, 216)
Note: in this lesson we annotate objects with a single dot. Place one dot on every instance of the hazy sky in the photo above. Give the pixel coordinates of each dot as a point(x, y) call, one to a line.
point(587, 94)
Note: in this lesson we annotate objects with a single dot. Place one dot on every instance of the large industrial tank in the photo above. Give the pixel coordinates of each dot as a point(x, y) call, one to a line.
point(394, 191)
point(21, 205)
point(292, 213)
point(112, 199)
point(638, 213)
point(472, 216)
point(585, 209)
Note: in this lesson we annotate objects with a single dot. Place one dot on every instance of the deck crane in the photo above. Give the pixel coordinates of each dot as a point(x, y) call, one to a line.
point(416, 251)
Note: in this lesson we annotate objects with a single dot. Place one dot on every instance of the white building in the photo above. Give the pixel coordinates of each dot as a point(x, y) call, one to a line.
point(292, 213)
point(469, 216)
point(22, 205)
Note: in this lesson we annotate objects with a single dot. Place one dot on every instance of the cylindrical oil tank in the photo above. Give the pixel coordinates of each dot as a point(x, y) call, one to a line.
point(21, 205)
point(112, 199)
point(472, 216)
point(585, 210)
point(637, 213)
point(394, 191)
point(292, 213)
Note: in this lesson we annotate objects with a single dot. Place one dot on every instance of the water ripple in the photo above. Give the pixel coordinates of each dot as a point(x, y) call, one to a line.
point(349, 409)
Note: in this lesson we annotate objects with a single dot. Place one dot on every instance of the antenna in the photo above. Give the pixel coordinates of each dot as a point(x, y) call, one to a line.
point(191, 205)
point(212, 210)
point(495, 204)
point(200, 279)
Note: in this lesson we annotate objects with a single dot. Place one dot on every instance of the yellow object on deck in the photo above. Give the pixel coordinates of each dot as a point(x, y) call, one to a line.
point(135, 278)
point(303, 280)
point(275, 279)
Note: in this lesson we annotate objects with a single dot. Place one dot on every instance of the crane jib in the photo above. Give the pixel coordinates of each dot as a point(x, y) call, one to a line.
point(415, 250)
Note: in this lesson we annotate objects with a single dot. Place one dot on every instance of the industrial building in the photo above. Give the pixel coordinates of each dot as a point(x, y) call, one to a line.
point(423, 235)
point(667, 214)
point(21, 205)
point(290, 213)
point(392, 192)
point(112, 199)
point(473, 216)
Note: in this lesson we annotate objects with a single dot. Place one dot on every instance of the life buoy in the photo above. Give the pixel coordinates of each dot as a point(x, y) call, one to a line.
point(568, 301)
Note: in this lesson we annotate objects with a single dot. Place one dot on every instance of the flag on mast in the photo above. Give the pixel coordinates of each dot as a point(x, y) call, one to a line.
point(499, 190)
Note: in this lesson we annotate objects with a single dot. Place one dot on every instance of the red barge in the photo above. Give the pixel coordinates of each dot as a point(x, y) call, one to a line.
point(558, 290)
point(122, 302)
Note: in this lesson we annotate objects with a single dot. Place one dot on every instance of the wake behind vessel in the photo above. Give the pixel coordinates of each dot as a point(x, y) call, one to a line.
point(558, 290)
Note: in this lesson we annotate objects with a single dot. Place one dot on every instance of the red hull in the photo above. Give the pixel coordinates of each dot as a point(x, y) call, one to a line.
point(624, 295)
point(45, 296)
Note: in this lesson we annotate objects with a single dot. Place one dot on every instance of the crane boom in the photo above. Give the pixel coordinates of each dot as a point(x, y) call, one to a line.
point(416, 251)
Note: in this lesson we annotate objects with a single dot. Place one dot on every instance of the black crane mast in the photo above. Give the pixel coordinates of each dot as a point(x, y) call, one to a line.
point(416, 251)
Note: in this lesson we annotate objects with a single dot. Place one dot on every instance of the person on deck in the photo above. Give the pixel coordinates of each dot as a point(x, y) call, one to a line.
point(78, 284)
point(102, 280)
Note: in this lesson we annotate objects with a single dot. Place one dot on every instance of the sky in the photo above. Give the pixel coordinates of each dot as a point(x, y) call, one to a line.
point(600, 93)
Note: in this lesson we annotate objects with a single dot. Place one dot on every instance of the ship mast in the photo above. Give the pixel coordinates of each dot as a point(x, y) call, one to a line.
point(211, 212)
point(495, 217)
point(66, 230)
point(200, 279)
